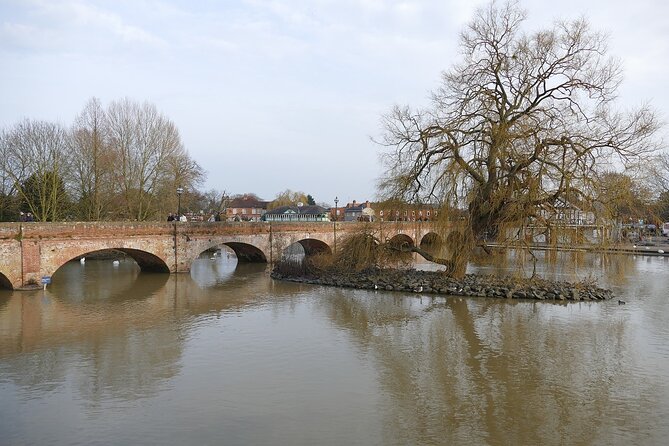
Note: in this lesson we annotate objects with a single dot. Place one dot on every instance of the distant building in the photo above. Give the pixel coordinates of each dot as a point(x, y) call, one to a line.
point(337, 213)
point(297, 213)
point(568, 212)
point(405, 212)
point(359, 211)
point(246, 208)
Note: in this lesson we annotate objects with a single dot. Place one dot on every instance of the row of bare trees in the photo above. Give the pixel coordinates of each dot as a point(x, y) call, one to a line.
point(123, 161)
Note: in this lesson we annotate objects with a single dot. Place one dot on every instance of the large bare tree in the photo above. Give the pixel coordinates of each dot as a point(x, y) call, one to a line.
point(524, 119)
point(181, 170)
point(9, 204)
point(150, 160)
point(93, 161)
point(621, 198)
point(657, 171)
point(38, 163)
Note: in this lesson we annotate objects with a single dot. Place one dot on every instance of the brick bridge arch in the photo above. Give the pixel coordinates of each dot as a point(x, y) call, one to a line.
point(246, 252)
point(431, 239)
point(401, 240)
point(147, 261)
point(313, 246)
point(258, 250)
point(29, 251)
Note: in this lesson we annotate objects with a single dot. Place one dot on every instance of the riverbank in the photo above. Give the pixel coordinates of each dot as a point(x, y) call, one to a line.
point(434, 282)
point(652, 246)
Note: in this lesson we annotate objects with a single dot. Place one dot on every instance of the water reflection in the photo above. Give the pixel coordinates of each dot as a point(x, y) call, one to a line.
point(214, 267)
point(226, 349)
point(458, 371)
point(103, 281)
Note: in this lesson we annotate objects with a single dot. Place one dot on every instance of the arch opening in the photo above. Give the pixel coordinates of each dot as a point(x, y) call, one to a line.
point(431, 240)
point(294, 253)
point(247, 253)
point(219, 252)
point(305, 248)
point(5, 283)
point(314, 246)
point(401, 241)
point(215, 265)
point(146, 261)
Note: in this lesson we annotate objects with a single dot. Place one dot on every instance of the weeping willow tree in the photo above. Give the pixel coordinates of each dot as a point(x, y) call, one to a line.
point(523, 121)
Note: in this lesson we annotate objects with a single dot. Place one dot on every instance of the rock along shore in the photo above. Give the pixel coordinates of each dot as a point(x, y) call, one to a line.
point(433, 282)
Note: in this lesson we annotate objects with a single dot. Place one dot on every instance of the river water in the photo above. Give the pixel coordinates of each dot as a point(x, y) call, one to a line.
point(227, 356)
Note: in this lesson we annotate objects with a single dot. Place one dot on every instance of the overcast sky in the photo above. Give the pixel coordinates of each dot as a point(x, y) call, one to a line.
point(270, 95)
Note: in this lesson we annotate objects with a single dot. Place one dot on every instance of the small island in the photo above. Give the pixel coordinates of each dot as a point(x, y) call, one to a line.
point(435, 282)
point(366, 263)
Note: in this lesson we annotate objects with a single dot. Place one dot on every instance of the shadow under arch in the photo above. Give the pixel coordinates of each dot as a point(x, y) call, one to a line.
point(246, 253)
point(314, 246)
point(401, 240)
point(431, 240)
point(148, 263)
point(5, 283)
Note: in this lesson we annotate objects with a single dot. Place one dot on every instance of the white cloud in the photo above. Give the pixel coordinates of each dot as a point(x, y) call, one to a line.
point(373, 5)
point(75, 17)
point(408, 9)
point(98, 18)
point(28, 36)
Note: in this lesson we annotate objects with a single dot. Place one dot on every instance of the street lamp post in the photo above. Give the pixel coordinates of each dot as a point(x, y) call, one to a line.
point(336, 200)
point(180, 190)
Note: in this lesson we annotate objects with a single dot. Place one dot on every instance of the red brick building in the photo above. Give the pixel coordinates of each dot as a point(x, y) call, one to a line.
point(383, 211)
point(353, 211)
point(245, 208)
point(386, 211)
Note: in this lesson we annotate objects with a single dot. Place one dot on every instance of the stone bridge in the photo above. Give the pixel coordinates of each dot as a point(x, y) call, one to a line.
point(29, 251)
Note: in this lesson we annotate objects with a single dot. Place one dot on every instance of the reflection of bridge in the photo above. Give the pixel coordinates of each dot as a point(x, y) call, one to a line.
point(29, 251)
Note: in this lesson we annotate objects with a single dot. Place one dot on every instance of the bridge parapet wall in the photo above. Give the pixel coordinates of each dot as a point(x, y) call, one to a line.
point(92, 230)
